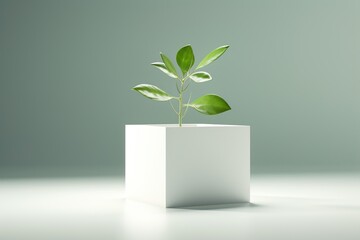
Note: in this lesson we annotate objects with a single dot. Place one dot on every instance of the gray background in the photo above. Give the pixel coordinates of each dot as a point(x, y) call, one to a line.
point(66, 68)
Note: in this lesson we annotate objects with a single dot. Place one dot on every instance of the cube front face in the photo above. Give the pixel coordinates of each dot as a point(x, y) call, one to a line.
point(145, 149)
point(196, 165)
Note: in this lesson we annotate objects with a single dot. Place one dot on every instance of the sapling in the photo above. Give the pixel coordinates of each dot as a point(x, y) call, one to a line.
point(209, 104)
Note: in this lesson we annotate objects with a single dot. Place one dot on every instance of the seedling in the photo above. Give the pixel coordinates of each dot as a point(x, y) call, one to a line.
point(209, 104)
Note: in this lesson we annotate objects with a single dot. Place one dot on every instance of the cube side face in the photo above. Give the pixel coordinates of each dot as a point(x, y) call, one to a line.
point(207, 165)
point(145, 163)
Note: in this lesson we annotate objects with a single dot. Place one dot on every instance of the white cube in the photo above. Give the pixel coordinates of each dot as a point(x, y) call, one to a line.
point(197, 164)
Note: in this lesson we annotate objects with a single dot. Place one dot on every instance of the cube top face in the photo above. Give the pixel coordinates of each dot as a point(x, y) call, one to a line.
point(197, 164)
point(201, 125)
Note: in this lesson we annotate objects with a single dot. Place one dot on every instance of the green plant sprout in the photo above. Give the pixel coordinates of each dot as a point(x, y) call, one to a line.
point(210, 104)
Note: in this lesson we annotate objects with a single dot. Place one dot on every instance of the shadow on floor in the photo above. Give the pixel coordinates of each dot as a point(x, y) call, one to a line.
point(222, 206)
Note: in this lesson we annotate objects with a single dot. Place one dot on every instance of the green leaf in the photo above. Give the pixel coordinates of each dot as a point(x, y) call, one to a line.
point(152, 92)
point(210, 104)
point(169, 64)
point(212, 56)
point(163, 68)
point(185, 58)
point(200, 77)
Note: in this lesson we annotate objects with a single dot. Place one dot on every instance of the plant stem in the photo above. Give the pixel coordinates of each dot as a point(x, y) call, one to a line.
point(181, 103)
point(181, 90)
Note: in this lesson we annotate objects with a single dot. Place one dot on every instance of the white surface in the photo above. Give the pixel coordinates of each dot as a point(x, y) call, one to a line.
point(196, 164)
point(145, 164)
point(282, 207)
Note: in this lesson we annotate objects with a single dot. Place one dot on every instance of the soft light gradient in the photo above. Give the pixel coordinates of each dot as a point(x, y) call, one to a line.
point(291, 72)
point(310, 206)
